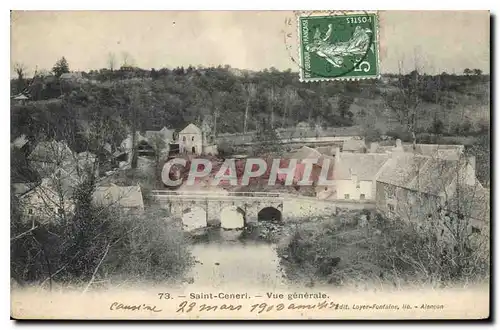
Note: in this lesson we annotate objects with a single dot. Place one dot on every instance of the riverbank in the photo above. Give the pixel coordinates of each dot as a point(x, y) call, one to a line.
point(366, 250)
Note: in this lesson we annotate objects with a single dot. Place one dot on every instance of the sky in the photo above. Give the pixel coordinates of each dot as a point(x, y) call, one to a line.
point(433, 41)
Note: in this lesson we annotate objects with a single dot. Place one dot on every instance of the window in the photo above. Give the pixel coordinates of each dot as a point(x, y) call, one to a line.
point(192, 139)
point(346, 196)
point(30, 211)
point(362, 196)
point(391, 207)
point(183, 139)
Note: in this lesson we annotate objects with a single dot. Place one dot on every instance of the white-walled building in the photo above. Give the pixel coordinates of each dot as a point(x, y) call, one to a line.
point(193, 140)
point(355, 174)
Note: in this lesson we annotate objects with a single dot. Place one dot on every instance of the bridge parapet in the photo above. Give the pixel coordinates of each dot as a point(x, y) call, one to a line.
point(214, 193)
point(292, 207)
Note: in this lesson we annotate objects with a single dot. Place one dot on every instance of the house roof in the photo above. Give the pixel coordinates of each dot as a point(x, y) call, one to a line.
point(364, 166)
point(64, 184)
point(434, 176)
point(421, 173)
point(124, 196)
point(443, 151)
point(191, 129)
point(305, 153)
point(20, 96)
point(51, 152)
point(23, 188)
point(165, 132)
point(353, 145)
point(401, 169)
point(20, 141)
point(326, 150)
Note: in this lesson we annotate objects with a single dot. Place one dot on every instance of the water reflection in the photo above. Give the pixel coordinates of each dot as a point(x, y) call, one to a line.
point(194, 218)
point(225, 259)
point(232, 218)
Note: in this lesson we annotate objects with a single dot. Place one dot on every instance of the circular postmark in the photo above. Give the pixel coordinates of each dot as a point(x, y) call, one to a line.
point(333, 44)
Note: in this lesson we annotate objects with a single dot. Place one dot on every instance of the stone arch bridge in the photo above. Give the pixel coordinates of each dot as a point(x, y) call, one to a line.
point(253, 206)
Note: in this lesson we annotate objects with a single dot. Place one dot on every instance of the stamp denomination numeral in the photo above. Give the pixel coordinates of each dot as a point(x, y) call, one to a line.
point(354, 20)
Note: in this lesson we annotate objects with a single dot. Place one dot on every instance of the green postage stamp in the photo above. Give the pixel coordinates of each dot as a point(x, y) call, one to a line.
point(338, 46)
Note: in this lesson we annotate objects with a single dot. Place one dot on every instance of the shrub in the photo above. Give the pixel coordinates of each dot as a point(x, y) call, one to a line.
point(394, 252)
point(104, 242)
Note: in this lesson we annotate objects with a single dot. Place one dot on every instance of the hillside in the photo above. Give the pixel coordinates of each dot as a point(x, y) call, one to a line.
point(109, 104)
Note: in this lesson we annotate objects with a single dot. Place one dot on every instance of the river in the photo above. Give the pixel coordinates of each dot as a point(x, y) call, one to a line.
point(224, 261)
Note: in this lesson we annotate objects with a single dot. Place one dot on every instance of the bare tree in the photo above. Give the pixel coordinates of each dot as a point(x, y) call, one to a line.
point(111, 61)
point(290, 98)
point(159, 145)
point(217, 103)
point(126, 59)
point(20, 70)
point(446, 210)
point(271, 94)
point(250, 95)
point(405, 101)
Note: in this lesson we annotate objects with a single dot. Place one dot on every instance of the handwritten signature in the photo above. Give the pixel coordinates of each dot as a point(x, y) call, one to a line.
point(136, 307)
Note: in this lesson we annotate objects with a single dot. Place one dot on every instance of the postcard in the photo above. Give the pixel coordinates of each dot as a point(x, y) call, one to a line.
point(250, 165)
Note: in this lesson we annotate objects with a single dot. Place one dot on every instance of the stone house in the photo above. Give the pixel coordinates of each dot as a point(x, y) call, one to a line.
point(126, 198)
point(193, 140)
point(415, 187)
point(47, 156)
point(355, 174)
point(443, 151)
point(50, 200)
point(165, 135)
point(354, 145)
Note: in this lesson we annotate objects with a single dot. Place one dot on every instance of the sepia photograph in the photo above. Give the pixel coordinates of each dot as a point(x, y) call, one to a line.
point(181, 165)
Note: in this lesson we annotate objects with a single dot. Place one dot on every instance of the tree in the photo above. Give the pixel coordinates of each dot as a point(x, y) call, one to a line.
point(405, 101)
point(478, 72)
point(437, 126)
point(158, 143)
point(290, 98)
point(271, 97)
point(20, 70)
point(126, 59)
point(443, 224)
point(467, 71)
point(60, 67)
point(111, 61)
point(250, 91)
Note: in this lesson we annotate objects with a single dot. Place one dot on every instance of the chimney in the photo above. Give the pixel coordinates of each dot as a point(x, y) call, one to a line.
point(373, 147)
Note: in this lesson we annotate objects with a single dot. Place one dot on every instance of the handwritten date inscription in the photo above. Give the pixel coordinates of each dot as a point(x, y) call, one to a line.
point(187, 307)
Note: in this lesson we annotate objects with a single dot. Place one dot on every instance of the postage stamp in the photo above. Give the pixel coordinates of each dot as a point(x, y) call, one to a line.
point(338, 46)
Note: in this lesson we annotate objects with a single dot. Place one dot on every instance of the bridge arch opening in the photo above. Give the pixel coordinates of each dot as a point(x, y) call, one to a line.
point(232, 217)
point(194, 218)
point(269, 214)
